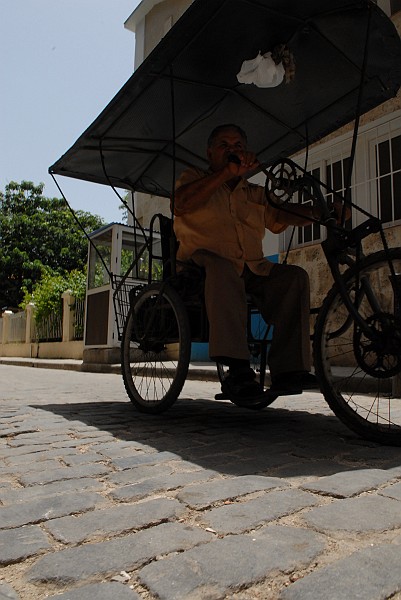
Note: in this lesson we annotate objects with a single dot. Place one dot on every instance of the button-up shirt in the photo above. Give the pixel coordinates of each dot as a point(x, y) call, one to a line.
point(231, 223)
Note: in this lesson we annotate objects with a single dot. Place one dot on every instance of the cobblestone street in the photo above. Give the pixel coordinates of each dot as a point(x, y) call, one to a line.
point(206, 501)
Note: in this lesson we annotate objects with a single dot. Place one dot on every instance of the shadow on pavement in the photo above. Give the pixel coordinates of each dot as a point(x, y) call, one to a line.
point(222, 437)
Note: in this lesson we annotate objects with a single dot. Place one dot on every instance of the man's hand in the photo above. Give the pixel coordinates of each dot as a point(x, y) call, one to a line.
point(246, 161)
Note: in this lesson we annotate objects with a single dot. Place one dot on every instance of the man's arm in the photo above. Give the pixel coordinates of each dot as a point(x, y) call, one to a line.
point(190, 196)
point(295, 214)
point(302, 215)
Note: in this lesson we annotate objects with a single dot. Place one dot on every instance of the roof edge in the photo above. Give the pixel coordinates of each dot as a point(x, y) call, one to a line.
point(140, 13)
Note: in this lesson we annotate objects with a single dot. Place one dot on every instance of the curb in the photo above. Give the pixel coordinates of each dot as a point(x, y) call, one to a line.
point(197, 371)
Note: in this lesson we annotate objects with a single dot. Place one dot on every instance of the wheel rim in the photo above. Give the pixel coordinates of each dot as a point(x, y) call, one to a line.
point(360, 374)
point(156, 349)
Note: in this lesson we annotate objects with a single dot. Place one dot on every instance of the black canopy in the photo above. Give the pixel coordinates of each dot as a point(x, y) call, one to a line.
point(162, 116)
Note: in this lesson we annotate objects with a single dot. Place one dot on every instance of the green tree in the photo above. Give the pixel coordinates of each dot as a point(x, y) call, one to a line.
point(38, 235)
point(46, 293)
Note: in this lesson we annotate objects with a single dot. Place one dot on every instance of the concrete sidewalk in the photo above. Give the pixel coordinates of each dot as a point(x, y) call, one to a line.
point(197, 370)
point(204, 502)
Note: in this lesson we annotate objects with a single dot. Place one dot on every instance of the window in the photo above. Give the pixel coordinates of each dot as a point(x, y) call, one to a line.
point(376, 176)
point(337, 174)
point(311, 233)
point(388, 170)
point(335, 178)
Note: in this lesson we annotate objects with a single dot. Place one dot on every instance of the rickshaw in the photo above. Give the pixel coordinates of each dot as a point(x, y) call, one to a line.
point(347, 60)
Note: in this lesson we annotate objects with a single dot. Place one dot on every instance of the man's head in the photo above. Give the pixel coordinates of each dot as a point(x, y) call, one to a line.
point(223, 141)
point(217, 130)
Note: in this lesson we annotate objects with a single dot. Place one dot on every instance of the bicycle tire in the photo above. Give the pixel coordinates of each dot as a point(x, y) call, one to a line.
point(360, 378)
point(155, 349)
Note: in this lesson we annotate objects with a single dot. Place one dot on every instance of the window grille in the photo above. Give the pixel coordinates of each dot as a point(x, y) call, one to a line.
point(388, 173)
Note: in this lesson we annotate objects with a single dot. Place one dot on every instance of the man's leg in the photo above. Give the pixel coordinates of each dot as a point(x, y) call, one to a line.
point(226, 306)
point(283, 299)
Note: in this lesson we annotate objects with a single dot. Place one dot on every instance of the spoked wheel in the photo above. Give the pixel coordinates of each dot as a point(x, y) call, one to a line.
point(359, 371)
point(155, 348)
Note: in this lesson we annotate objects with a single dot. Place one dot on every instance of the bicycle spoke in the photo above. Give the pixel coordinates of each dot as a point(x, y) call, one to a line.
point(358, 368)
point(155, 349)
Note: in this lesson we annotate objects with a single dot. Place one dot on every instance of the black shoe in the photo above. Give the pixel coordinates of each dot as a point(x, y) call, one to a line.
point(292, 383)
point(309, 381)
point(241, 387)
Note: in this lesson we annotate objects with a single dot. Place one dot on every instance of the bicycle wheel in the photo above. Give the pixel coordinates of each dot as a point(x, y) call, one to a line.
point(155, 349)
point(360, 374)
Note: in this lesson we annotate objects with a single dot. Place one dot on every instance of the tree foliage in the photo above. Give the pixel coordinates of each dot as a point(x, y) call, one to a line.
point(38, 235)
point(46, 294)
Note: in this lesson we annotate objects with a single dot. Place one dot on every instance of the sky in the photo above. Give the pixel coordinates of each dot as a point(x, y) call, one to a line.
point(61, 62)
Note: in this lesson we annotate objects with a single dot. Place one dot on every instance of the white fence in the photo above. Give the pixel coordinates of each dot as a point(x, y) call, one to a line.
point(59, 336)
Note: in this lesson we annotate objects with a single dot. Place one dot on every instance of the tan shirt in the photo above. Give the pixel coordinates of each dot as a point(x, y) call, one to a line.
point(231, 223)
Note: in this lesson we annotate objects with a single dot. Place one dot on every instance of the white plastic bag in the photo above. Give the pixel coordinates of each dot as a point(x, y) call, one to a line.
point(261, 71)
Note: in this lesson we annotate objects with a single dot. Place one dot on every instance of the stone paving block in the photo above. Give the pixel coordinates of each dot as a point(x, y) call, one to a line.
point(396, 470)
point(11, 496)
point(350, 483)
point(39, 457)
point(98, 591)
point(42, 477)
point(7, 592)
point(8, 430)
point(297, 469)
point(244, 516)
point(40, 438)
point(74, 565)
point(7, 472)
point(36, 466)
point(369, 453)
point(29, 451)
point(140, 459)
point(122, 449)
point(89, 431)
point(204, 494)
point(392, 491)
point(82, 458)
point(239, 466)
point(50, 507)
point(18, 544)
point(214, 570)
point(161, 483)
point(139, 474)
point(368, 513)
point(213, 449)
point(370, 574)
point(94, 441)
point(114, 520)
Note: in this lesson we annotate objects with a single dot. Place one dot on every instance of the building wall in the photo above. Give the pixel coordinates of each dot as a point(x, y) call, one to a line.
point(160, 19)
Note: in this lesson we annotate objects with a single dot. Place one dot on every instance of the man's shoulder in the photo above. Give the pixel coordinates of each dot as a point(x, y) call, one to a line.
point(195, 170)
point(190, 174)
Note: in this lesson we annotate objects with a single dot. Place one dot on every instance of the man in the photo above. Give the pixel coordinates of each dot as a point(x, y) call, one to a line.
point(220, 222)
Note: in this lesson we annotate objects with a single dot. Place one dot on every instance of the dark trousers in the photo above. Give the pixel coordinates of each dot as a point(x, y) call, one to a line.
point(282, 297)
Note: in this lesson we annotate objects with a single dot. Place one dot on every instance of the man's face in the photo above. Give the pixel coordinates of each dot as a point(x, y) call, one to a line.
point(227, 141)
